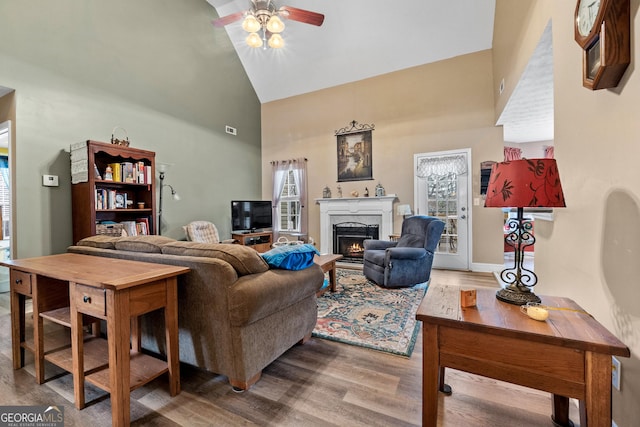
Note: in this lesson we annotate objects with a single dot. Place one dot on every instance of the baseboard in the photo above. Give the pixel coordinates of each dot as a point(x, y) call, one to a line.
point(486, 268)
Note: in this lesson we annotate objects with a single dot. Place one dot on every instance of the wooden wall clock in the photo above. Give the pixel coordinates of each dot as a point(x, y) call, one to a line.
point(602, 29)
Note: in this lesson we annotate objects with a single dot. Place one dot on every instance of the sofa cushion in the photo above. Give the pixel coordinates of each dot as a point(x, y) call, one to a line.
point(256, 297)
point(148, 244)
point(100, 241)
point(243, 259)
point(291, 257)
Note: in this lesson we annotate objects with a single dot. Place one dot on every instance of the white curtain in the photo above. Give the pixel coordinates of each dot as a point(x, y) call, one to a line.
point(280, 168)
point(299, 167)
point(441, 166)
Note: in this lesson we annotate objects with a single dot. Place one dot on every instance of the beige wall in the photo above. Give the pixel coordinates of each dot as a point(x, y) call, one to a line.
point(591, 252)
point(435, 107)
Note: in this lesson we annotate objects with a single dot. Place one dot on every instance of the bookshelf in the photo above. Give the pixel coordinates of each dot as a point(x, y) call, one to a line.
point(126, 201)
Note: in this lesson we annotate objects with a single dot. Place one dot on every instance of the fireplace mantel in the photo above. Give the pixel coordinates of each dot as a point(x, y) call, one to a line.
point(380, 208)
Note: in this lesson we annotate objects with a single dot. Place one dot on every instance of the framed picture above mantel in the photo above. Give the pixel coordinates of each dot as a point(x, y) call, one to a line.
point(354, 150)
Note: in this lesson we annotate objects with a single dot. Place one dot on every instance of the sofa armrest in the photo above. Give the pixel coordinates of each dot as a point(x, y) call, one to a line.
point(371, 244)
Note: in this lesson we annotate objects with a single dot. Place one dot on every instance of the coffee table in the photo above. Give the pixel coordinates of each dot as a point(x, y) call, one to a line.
point(328, 264)
point(568, 355)
point(65, 288)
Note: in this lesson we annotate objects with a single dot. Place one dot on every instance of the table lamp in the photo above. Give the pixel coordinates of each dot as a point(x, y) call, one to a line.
point(522, 184)
point(403, 210)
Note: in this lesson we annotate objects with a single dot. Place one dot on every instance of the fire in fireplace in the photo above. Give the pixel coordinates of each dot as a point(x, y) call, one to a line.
point(348, 239)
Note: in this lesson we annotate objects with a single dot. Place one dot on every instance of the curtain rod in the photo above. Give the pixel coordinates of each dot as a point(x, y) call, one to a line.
point(290, 160)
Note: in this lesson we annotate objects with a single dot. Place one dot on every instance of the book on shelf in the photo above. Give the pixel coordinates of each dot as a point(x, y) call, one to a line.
point(136, 173)
point(116, 171)
point(127, 172)
point(130, 227)
point(143, 224)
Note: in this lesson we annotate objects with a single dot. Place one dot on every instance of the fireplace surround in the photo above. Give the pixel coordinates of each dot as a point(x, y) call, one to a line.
point(367, 210)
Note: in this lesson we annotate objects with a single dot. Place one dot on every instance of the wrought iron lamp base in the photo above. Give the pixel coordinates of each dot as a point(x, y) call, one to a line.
point(516, 297)
point(519, 279)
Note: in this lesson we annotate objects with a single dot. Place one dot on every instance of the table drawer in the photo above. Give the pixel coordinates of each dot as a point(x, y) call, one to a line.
point(90, 300)
point(21, 282)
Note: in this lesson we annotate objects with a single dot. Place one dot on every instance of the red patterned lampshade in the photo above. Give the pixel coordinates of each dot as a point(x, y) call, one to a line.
point(526, 183)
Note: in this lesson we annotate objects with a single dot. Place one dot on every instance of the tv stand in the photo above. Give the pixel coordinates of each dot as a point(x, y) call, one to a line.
point(260, 241)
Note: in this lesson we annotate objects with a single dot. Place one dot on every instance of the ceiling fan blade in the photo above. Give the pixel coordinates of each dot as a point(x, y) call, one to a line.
point(302, 15)
point(221, 22)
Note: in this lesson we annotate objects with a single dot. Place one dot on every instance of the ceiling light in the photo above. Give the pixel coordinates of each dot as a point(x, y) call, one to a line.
point(264, 17)
point(275, 24)
point(276, 41)
point(250, 24)
point(254, 40)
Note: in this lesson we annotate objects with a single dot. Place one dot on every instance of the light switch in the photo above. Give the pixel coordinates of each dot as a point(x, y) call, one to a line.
point(50, 180)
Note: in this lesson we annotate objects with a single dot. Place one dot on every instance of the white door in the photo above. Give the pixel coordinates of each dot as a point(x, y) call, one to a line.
point(442, 182)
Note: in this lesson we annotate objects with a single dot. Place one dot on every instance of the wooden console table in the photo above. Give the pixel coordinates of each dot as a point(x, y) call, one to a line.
point(568, 355)
point(67, 287)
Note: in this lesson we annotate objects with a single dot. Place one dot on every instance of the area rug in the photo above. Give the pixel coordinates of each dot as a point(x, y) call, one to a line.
point(364, 314)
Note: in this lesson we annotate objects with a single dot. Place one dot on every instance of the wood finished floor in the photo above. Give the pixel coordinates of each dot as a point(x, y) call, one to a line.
point(321, 383)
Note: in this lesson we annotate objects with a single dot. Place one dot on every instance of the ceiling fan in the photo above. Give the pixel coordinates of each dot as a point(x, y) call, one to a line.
point(264, 16)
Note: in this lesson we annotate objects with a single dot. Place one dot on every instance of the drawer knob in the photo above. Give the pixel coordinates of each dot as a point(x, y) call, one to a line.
point(86, 299)
point(18, 281)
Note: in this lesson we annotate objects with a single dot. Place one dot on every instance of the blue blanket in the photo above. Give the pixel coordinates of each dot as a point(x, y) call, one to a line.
point(291, 257)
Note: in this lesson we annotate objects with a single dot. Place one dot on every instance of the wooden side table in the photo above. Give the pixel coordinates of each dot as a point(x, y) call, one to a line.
point(328, 264)
point(66, 286)
point(568, 355)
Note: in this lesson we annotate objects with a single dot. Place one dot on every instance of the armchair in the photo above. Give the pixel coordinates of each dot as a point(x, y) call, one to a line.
point(202, 231)
point(407, 261)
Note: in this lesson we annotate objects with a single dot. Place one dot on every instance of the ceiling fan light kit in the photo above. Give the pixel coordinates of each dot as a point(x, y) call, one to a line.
point(276, 41)
point(275, 24)
point(250, 24)
point(265, 16)
point(254, 40)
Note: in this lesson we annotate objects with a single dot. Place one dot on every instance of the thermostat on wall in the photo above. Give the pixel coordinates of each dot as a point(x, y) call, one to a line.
point(50, 180)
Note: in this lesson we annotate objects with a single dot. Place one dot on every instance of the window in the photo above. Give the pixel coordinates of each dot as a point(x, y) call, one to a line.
point(290, 204)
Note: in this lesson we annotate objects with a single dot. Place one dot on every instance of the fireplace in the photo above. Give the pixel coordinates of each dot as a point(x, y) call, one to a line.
point(348, 239)
point(366, 210)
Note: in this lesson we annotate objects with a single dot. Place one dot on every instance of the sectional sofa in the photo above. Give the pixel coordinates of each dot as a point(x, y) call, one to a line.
point(235, 314)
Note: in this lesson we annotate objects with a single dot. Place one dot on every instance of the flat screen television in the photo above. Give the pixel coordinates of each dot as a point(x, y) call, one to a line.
point(250, 215)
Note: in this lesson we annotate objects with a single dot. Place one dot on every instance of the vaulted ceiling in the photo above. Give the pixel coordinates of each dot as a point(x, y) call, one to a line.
point(366, 38)
point(358, 39)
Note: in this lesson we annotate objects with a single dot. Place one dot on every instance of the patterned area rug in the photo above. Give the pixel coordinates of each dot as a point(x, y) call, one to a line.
point(364, 314)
